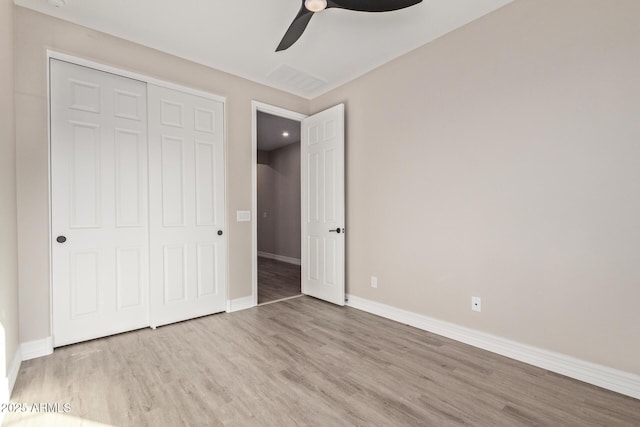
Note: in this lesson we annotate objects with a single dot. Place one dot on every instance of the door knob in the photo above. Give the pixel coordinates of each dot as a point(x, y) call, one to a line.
point(337, 230)
point(61, 239)
point(219, 232)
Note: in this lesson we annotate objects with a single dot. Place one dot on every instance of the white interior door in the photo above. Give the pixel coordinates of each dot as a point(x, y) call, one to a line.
point(98, 203)
point(187, 206)
point(323, 219)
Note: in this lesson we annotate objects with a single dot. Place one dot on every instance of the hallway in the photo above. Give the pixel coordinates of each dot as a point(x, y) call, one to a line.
point(277, 280)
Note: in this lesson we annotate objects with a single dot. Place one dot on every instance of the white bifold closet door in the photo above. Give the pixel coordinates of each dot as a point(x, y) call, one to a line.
point(137, 204)
point(187, 217)
point(99, 203)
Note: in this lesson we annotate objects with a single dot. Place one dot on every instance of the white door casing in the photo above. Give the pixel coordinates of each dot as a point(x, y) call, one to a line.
point(186, 199)
point(323, 211)
point(98, 203)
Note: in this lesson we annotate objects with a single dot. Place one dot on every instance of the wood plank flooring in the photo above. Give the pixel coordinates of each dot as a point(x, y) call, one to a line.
point(277, 280)
point(302, 362)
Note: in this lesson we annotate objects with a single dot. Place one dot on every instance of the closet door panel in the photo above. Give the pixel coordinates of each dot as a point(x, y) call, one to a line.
point(186, 195)
point(99, 226)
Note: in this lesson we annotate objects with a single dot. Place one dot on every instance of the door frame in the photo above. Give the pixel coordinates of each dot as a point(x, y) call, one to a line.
point(52, 54)
point(276, 111)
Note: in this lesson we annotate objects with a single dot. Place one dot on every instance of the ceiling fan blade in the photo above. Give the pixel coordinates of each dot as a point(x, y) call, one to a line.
point(372, 5)
point(295, 29)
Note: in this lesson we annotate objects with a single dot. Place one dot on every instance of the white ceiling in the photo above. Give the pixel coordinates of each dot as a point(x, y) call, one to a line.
point(240, 36)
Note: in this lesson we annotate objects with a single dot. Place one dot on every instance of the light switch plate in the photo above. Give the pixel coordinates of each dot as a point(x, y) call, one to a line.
point(243, 216)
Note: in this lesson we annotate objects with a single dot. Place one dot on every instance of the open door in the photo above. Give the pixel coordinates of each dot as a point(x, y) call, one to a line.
point(323, 219)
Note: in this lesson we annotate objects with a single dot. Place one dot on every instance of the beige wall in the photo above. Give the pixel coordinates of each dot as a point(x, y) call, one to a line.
point(279, 196)
point(34, 33)
point(9, 330)
point(503, 161)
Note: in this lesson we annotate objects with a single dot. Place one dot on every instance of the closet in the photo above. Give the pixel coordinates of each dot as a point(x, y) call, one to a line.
point(137, 204)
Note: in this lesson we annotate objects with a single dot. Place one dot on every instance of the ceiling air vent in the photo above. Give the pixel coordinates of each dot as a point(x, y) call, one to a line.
point(295, 80)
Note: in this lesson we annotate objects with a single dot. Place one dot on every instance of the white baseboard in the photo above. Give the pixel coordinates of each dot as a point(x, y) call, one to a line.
point(240, 304)
point(37, 348)
point(282, 258)
point(611, 379)
point(6, 384)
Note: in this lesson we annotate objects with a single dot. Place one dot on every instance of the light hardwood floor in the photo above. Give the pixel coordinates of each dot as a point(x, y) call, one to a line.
point(303, 362)
point(277, 280)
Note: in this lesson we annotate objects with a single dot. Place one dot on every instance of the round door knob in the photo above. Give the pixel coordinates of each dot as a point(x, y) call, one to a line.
point(219, 232)
point(61, 239)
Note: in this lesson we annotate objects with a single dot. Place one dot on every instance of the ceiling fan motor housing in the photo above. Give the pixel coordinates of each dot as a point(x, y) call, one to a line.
point(315, 5)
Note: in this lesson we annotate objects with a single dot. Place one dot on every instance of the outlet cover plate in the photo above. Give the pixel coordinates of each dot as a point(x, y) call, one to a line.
point(476, 304)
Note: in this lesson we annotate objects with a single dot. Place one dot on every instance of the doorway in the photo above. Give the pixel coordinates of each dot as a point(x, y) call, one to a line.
point(322, 188)
point(276, 203)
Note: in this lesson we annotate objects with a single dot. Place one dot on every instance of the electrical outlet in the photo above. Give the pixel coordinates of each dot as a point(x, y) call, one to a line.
point(374, 282)
point(476, 304)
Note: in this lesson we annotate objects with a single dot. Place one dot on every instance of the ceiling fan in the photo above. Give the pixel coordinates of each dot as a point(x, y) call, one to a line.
point(309, 7)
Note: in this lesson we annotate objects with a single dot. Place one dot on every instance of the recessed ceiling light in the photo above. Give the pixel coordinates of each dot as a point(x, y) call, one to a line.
point(285, 134)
